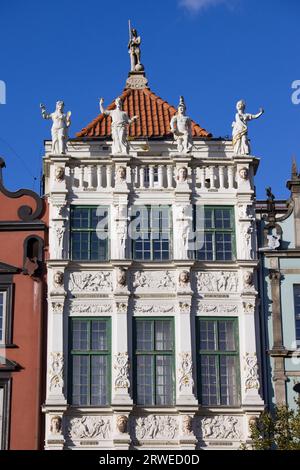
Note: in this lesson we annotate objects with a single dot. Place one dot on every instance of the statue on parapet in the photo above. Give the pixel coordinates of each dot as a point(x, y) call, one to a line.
point(240, 140)
point(119, 126)
point(60, 126)
point(134, 50)
point(181, 127)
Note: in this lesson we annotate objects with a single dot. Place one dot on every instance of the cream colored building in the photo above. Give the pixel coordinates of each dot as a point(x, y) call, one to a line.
point(152, 342)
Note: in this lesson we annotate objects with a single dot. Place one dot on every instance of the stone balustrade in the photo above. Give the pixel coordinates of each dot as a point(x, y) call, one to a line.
point(99, 176)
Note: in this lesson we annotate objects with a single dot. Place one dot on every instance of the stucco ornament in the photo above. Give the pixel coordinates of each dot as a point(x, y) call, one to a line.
point(240, 140)
point(121, 277)
point(134, 50)
point(220, 427)
point(251, 372)
point(244, 173)
point(56, 370)
point(185, 371)
point(122, 371)
point(56, 425)
point(248, 279)
point(119, 126)
point(60, 126)
point(222, 281)
point(59, 174)
point(182, 174)
point(184, 278)
point(58, 278)
point(89, 427)
point(156, 427)
point(181, 127)
point(122, 423)
point(120, 175)
point(90, 281)
point(187, 422)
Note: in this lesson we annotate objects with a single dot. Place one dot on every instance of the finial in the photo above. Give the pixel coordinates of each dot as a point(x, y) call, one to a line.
point(294, 169)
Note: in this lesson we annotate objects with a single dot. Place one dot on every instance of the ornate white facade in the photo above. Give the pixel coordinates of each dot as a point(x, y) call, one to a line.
point(123, 289)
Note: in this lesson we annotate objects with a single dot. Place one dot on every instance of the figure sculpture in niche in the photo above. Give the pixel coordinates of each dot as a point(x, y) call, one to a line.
point(240, 140)
point(181, 127)
point(119, 126)
point(60, 126)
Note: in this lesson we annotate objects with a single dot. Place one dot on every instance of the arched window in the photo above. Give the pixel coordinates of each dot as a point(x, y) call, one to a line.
point(33, 255)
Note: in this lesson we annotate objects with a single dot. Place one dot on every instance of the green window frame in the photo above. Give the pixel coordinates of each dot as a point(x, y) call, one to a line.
point(151, 233)
point(90, 361)
point(89, 233)
point(154, 361)
point(218, 231)
point(296, 290)
point(218, 361)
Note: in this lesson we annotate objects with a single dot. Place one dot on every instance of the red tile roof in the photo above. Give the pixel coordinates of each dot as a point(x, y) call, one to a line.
point(154, 117)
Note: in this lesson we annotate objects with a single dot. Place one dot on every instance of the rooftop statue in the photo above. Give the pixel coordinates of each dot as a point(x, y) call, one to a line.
point(181, 127)
point(59, 130)
point(119, 126)
point(240, 140)
point(134, 50)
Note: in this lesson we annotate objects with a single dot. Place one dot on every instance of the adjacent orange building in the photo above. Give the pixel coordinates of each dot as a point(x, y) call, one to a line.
point(23, 243)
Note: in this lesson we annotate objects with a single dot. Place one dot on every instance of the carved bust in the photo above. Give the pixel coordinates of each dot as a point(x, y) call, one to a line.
point(184, 278)
point(182, 174)
point(122, 423)
point(55, 427)
point(187, 424)
point(248, 278)
point(59, 173)
point(121, 174)
point(121, 277)
point(58, 278)
point(244, 173)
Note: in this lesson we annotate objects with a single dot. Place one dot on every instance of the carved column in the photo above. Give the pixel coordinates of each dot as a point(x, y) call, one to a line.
point(160, 176)
point(151, 176)
point(221, 176)
point(274, 276)
point(99, 177)
point(170, 176)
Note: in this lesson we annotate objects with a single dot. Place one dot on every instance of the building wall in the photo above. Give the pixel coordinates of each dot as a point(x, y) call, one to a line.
point(152, 289)
point(22, 357)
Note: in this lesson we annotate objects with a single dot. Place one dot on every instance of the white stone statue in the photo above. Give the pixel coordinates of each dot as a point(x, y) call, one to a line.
point(59, 130)
point(240, 140)
point(119, 126)
point(134, 50)
point(181, 127)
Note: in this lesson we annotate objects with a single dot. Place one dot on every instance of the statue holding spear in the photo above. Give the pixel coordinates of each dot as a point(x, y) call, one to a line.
point(134, 50)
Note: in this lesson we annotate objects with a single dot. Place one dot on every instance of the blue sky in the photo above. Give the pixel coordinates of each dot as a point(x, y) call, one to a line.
point(213, 52)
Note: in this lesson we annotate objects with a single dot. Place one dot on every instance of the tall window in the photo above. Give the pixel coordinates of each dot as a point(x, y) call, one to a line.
point(89, 233)
point(218, 362)
point(216, 224)
point(90, 361)
point(297, 312)
point(151, 233)
point(4, 412)
point(154, 362)
point(2, 316)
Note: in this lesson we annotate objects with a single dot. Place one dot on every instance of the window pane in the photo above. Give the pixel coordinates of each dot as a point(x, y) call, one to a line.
point(209, 394)
point(80, 381)
point(99, 335)
point(80, 245)
point(228, 378)
point(208, 341)
point(80, 335)
point(163, 336)
point(164, 380)
point(206, 252)
point(97, 216)
point(226, 336)
point(98, 248)
point(80, 217)
point(223, 246)
point(222, 218)
point(99, 382)
point(145, 380)
point(145, 335)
